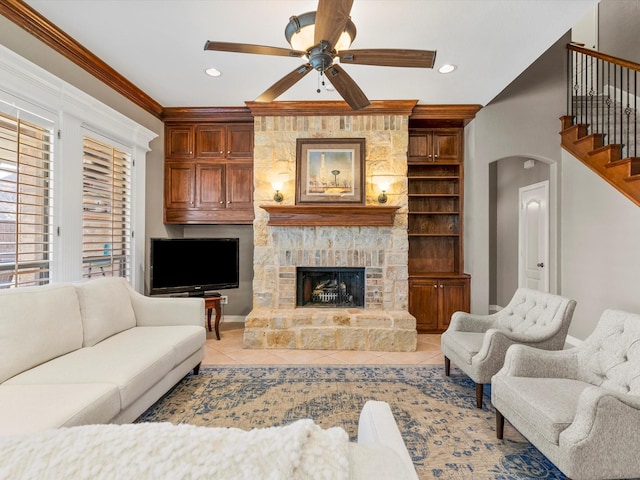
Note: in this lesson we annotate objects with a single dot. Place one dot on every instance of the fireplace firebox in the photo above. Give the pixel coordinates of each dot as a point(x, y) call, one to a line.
point(330, 287)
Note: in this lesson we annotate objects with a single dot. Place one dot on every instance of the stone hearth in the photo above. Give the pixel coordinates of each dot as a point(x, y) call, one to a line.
point(384, 324)
point(331, 329)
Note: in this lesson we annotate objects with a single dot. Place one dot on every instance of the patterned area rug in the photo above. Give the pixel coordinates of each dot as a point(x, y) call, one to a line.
point(445, 434)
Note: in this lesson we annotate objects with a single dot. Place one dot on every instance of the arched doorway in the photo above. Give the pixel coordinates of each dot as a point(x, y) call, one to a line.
point(506, 177)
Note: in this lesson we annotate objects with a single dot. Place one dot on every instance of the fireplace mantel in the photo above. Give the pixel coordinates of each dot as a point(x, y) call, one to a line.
point(330, 215)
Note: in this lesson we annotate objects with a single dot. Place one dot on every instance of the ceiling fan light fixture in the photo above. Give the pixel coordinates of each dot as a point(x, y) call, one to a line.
point(300, 32)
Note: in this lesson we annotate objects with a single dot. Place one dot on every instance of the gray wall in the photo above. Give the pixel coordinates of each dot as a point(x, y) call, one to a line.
point(596, 228)
point(522, 122)
point(619, 21)
point(510, 175)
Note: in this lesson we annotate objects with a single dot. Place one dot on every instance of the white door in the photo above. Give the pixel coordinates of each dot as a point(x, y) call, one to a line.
point(533, 237)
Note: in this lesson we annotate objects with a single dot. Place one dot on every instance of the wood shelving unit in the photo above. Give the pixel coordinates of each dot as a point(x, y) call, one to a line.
point(437, 284)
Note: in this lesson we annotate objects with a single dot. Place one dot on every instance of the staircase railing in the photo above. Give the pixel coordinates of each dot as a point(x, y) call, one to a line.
point(602, 92)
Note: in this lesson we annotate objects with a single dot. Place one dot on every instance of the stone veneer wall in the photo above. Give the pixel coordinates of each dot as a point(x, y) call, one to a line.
point(383, 251)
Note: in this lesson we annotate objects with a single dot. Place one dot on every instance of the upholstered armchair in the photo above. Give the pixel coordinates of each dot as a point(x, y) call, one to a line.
point(580, 407)
point(477, 344)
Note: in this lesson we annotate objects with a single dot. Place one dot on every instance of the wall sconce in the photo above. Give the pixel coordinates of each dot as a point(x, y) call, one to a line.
point(383, 183)
point(277, 186)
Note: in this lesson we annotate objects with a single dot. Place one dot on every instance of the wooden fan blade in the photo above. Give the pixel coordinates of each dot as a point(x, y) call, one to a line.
point(284, 84)
point(389, 57)
point(347, 87)
point(331, 18)
point(248, 48)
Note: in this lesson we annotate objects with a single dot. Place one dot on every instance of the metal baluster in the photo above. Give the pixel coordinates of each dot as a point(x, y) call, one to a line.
point(584, 89)
point(569, 82)
point(627, 112)
point(598, 96)
point(608, 100)
point(635, 110)
point(615, 84)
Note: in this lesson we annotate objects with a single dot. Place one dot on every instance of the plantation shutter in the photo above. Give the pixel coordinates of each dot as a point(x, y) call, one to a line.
point(106, 219)
point(26, 201)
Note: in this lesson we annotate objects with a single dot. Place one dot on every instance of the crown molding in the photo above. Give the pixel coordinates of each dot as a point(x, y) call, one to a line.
point(462, 112)
point(30, 20)
point(206, 114)
point(314, 108)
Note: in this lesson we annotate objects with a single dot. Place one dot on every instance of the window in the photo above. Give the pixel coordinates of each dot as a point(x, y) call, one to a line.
point(26, 202)
point(75, 217)
point(106, 206)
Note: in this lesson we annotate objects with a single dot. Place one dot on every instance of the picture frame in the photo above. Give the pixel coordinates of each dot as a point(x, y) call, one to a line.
point(330, 171)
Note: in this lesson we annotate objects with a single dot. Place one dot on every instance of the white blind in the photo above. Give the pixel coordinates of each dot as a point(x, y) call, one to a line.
point(26, 202)
point(106, 218)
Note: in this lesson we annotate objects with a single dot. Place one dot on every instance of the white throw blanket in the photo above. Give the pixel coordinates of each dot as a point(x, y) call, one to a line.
point(301, 450)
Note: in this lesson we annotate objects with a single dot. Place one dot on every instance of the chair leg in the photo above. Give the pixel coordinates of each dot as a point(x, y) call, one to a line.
point(479, 392)
point(447, 366)
point(196, 369)
point(499, 425)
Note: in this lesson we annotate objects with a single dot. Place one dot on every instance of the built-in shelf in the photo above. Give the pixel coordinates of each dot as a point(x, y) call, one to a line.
point(330, 215)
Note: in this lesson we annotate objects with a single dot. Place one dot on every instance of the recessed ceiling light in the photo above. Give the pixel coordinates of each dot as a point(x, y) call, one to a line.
point(213, 72)
point(447, 68)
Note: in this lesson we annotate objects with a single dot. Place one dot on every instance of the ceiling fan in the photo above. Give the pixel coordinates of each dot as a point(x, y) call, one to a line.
point(321, 37)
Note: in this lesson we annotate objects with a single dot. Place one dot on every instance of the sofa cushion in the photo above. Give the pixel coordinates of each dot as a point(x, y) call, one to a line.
point(36, 325)
point(31, 408)
point(134, 360)
point(550, 402)
point(105, 307)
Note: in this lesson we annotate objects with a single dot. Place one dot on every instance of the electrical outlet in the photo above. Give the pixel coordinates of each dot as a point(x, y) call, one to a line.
point(224, 300)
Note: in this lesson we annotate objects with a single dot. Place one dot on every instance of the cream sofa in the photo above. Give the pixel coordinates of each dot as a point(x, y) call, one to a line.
point(93, 352)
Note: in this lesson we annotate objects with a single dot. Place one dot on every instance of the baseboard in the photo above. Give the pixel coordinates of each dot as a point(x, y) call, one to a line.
point(233, 318)
point(572, 341)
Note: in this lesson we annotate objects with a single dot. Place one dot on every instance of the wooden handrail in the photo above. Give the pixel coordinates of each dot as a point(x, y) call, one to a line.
point(603, 56)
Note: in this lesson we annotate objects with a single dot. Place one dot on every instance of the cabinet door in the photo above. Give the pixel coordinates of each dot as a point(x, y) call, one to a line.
point(210, 141)
point(453, 296)
point(240, 186)
point(419, 146)
point(179, 141)
point(179, 178)
point(239, 141)
point(446, 146)
point(423, 303)
point(210, 193)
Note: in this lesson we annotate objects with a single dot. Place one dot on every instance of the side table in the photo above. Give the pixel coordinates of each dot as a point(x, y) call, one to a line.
point(209, 304)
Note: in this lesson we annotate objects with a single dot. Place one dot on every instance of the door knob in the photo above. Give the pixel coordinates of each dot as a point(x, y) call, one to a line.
point(540, 264)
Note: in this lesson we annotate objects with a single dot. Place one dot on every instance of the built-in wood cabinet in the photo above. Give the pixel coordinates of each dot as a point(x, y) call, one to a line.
point(434, 145)
point(208, 174)
point(433, 300)
point(437, 283)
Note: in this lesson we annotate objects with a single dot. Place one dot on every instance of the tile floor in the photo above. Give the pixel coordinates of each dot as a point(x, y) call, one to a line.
point(229, 351)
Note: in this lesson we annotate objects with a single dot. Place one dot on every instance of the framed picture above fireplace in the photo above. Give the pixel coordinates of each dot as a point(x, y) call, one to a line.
point(330, 170)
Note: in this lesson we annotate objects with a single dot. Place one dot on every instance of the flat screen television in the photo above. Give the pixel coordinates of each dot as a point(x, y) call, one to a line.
point(193, 265)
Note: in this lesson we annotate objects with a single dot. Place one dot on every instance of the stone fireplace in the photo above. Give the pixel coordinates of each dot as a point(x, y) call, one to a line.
point(381, 321)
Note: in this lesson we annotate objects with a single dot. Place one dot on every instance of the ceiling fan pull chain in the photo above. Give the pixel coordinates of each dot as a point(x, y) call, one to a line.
point(320, 79)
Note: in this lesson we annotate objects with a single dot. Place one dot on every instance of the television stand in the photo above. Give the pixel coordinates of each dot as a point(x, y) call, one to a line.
point(209, 304)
